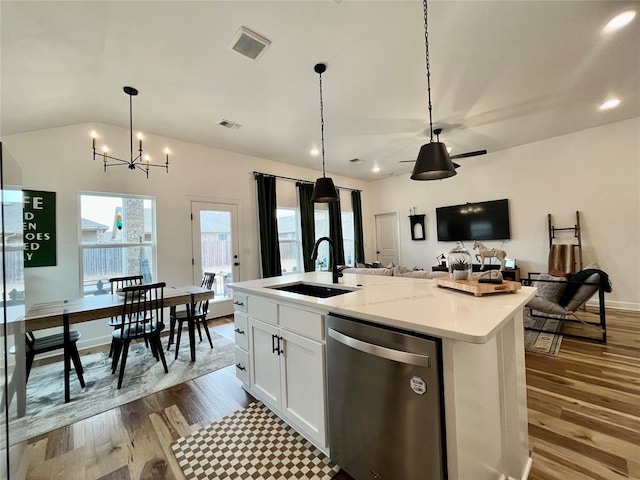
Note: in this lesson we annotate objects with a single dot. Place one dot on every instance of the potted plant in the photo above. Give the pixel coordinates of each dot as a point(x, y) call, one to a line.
point(460, 269)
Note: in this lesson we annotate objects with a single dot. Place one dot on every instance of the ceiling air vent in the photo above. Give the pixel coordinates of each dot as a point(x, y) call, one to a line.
point(356, 160)
point(249, 43)
point(230, 124)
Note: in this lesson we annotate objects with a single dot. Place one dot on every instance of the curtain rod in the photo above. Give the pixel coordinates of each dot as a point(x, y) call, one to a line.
point(303, 181)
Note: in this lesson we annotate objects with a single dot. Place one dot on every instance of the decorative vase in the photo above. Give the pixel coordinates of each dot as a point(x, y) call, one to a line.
point(460, 274)
point(459, 255)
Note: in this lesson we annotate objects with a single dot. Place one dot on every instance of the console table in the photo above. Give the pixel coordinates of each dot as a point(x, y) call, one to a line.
point(508, 273)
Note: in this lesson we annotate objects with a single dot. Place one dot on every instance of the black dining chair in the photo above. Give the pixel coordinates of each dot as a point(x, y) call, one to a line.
point(196, 312)
point(142, 318)
point(50, 343)
point(117, 284)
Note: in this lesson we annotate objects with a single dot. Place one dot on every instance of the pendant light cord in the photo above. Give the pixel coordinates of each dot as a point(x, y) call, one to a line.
point(131, 126)
point(426, 43)
point(322, 123)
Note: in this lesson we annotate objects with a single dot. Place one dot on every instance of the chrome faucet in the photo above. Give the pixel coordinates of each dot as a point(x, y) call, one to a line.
point(314, 256)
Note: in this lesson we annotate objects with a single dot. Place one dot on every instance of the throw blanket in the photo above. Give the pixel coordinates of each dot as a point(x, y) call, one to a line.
point(575, 282)
point(562, 258)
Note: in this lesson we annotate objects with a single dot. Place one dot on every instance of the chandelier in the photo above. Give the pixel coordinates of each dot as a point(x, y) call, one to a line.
point(142, 161)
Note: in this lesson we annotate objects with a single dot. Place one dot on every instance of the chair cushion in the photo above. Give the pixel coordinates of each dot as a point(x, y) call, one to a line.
point(137, 330)
point(182, 314)
point(583, 293)
point(544, 305)
point(53, 342)
point(552, 289)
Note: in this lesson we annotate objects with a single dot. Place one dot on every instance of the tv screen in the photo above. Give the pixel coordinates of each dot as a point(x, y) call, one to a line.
point(474, 221)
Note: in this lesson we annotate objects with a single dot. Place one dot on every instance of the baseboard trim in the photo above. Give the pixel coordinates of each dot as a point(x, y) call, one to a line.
point(614, 305)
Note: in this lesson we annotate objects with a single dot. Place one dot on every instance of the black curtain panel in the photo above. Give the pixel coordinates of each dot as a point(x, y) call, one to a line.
point(307, 223)
point(267, 216)
point(335, 232)
point(356, 204)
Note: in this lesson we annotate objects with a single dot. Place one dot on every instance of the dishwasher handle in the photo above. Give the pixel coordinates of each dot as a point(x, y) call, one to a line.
point(383, 352)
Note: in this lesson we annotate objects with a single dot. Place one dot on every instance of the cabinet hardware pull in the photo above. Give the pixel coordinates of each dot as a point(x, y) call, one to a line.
point(238, 303)
point(240, 367)
point(241, 332)
point(274, 347)
point(280, 351)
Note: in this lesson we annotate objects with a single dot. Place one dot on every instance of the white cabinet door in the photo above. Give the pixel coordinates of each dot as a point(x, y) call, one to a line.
point(265, 363)
point(303, 384)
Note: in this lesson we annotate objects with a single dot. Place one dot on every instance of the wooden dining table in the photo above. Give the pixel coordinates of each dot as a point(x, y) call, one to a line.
point(63, 313)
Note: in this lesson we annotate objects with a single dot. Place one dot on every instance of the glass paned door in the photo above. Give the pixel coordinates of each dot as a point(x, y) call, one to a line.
point(215, 244)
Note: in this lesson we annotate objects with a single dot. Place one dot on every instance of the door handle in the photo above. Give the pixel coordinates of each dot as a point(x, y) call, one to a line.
point(382, 352)
point(241, 332)
point(240, 367)
point(235, 264)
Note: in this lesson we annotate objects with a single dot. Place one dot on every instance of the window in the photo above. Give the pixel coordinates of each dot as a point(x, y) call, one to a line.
point(290, 240)
point(348, 237)
point(117, 238)
point(322, 230)
point(321, 218)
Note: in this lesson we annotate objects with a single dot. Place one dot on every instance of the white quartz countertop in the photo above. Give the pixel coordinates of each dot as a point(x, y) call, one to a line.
point(417, 305)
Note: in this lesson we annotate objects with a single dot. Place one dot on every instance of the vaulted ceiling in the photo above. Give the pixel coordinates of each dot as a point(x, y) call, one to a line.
point(503, 73)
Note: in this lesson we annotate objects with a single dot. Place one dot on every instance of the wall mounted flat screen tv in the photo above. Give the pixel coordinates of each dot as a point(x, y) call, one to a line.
point(474, 221)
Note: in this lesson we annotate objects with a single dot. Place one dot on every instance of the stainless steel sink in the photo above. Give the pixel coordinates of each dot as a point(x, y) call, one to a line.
point(318, 291)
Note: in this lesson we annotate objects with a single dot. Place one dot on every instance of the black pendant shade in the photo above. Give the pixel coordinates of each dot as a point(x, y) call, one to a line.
point(433, 163)
point(324, 191)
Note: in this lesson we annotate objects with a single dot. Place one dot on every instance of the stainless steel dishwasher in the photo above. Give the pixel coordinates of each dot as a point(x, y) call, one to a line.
point(385, 402)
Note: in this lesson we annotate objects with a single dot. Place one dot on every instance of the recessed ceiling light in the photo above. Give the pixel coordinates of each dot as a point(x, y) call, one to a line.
point(609, 104)
point(315, 152)
point(375, 169)
point(619, 21)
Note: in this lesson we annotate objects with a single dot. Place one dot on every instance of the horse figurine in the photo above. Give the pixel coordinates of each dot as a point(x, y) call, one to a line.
point(488, 253)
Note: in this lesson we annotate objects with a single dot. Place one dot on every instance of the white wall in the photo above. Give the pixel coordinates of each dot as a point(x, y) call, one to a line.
point(59, 160)
point(595, 171)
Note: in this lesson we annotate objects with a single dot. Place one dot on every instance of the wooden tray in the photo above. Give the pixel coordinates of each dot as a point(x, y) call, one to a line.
point(478, 289)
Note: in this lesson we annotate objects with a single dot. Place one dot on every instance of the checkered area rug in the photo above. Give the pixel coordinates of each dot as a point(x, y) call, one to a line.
point(252, 443)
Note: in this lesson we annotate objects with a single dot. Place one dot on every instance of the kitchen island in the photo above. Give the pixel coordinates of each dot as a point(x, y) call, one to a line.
point(281, 359)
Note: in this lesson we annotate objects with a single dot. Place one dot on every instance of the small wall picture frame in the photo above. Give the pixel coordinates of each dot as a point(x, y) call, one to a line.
point(417, 227)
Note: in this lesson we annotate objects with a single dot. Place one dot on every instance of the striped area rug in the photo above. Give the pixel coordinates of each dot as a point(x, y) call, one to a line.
point(252, 443)
point(545, 343)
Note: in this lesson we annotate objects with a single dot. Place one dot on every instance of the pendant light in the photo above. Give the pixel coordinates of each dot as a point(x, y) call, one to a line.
point(433, 161)
point(324, 190)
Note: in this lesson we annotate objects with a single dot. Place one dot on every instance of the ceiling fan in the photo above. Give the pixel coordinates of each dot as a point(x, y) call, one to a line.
point(437, 132)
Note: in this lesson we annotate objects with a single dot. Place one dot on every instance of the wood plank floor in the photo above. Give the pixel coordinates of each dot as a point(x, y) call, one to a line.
point(584, 418)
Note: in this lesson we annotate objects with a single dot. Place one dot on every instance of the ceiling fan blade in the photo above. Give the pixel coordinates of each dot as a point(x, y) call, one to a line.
point(469, 154)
